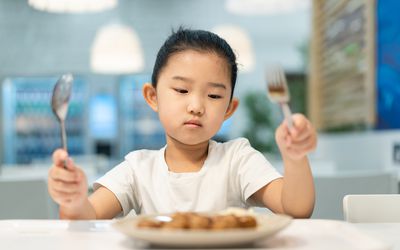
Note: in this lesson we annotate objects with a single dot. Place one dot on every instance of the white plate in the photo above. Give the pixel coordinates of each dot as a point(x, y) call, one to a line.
point(267, 226)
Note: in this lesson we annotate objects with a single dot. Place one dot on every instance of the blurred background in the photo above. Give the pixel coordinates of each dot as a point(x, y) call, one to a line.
point(341, 59)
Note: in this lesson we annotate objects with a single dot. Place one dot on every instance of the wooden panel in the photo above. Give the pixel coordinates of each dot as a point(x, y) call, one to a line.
point(342, 86)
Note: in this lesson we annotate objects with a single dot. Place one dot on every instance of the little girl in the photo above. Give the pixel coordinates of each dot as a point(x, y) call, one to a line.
point(192, 89)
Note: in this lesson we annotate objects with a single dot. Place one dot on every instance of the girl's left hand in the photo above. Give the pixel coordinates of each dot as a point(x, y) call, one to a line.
point(297, 142)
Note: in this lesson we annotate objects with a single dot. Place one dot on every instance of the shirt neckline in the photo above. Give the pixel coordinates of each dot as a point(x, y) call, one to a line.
point(202, 170)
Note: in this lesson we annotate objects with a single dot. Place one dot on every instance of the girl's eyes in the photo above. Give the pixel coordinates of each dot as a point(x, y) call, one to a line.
point(181, 91)
point(215, 96)
point(184, 91)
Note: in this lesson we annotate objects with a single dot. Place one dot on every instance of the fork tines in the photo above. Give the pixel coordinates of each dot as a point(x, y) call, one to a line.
point(276, 89)
point(276, 84)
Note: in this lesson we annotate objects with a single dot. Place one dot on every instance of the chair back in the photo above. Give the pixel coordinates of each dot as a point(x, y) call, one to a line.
point(26, 199)
point(372, 208)
point(330, 189)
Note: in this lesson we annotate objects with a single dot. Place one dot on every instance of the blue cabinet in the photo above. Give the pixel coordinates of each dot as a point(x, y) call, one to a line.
point(140, 127)
point(30, 130)
point(388, 64)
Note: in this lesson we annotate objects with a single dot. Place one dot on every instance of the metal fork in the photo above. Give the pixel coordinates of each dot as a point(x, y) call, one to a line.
point(278, 91)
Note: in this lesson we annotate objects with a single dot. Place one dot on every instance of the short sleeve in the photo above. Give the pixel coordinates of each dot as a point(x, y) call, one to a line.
point(121, 181)
point(254, 171)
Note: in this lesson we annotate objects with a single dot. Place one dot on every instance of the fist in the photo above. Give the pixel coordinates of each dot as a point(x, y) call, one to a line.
point(296, 142)
point(67, 183)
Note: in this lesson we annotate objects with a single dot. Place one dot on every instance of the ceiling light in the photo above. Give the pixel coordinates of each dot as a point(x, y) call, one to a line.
point(116, 50)
point(240, 43)
point(72, 6)
point(265, 7)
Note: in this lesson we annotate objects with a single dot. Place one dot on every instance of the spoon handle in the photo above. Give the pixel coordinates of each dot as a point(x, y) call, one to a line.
point(64, 139)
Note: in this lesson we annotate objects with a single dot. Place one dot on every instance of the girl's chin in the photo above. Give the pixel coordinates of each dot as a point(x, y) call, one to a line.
point(190, 141)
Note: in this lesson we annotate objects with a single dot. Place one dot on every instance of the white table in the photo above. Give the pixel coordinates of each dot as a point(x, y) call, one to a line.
point(385, 232)
point(98, 235)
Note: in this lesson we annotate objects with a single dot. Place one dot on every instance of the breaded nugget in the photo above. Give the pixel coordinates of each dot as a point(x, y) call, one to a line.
point(224, 222)
point(247, 221)
point(179, 221)
point(196, 221)
point(146, 223)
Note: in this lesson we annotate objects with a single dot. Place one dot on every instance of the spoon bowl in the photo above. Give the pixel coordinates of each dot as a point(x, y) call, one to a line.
point(60, 101)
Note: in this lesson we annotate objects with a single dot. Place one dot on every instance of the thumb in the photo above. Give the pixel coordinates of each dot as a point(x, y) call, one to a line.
point(60, 157)
point(69, 164)
point(284, 128)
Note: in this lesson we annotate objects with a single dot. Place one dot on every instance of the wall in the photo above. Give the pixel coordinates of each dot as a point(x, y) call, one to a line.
point(373, 150)
point(37, 43)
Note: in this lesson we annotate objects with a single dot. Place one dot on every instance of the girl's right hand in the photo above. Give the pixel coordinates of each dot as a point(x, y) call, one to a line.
point(67, 186)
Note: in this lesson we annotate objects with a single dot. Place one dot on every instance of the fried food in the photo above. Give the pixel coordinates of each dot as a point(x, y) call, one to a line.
point(221, 222)
point(197, 221)
point(247, 221)
point(149, 224)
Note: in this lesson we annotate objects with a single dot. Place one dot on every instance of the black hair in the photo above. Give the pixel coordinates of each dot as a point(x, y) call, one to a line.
point(199, 40)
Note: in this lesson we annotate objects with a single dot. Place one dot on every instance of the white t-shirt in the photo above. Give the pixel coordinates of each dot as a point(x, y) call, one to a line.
point(232, 172)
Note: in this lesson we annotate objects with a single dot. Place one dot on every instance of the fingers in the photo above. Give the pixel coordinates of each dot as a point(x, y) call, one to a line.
point(306, 145)
point(61, 160)
point(62, 192)
point(300, 123)
point(65, 187)
point(301, 130)
point(61, 174)
point(299, 140)
point(301, 135)
point(300, 149)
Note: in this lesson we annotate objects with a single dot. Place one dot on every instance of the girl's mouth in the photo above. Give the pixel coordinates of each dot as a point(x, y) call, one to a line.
point(194, 124)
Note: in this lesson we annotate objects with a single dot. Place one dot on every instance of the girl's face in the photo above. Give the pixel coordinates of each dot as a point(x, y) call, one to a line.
point(193, 96)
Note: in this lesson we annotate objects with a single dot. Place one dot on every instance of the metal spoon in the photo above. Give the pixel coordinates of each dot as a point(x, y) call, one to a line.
point(59, 103)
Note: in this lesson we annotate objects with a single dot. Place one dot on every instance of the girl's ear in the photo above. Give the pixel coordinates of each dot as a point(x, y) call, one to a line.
point(150, 95)
point(231, 108)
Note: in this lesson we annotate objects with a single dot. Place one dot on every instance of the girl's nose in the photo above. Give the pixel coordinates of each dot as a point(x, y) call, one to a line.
point(195, 106)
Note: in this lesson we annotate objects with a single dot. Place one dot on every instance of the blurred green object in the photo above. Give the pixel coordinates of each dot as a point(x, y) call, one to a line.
point(262, 117)
point(261, 128)
point(298, 92)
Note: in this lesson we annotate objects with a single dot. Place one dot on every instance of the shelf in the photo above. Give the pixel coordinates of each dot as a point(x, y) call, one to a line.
point(32, 130)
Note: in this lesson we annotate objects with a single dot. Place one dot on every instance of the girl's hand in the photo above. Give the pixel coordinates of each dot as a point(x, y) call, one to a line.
point(297, 142)
point(67, 186)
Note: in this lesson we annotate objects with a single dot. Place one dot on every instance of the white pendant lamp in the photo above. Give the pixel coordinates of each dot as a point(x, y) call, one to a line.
point(240, 43)
point(116, 50)
point(265, 7)
point(72, 6)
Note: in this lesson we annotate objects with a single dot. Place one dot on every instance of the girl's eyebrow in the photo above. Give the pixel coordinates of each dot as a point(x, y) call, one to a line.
point(183, 79)
point(217, 85)
point(188, 80)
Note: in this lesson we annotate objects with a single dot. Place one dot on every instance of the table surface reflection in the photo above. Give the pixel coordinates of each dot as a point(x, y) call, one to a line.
point(300, 234)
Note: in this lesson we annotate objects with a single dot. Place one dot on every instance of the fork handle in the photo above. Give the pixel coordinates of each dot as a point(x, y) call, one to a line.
point(288, 114)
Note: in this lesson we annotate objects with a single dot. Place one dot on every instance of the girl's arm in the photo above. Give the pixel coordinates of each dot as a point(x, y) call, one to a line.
point(105, 204)
point(293, 194)
point(102, 204)
point(68, 187)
